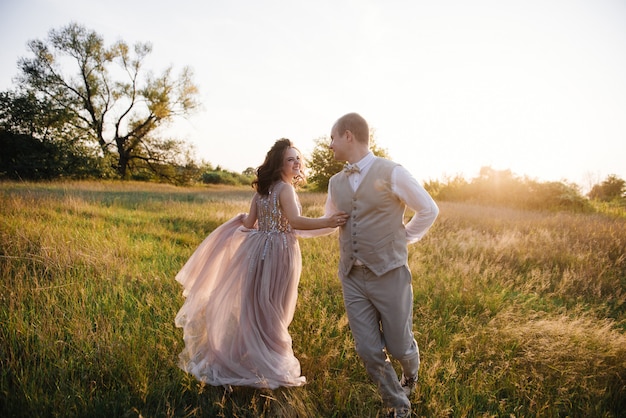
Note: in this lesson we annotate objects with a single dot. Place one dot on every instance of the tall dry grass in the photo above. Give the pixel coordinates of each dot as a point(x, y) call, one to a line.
point(516, 313)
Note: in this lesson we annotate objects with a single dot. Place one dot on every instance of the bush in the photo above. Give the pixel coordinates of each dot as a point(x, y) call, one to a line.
point(230, 178)
point(502, 188)
point(27, 158)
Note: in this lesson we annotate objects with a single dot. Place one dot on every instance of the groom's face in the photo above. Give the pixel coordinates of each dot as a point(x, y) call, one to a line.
point(338, 144)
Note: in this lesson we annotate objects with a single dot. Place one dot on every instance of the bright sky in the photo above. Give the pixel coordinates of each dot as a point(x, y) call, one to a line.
point(534, 86)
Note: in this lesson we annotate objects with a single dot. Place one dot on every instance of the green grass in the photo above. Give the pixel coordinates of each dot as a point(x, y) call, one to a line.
point(517, 313)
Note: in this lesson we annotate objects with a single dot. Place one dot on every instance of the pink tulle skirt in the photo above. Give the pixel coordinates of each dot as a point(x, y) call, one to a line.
point(241, 288)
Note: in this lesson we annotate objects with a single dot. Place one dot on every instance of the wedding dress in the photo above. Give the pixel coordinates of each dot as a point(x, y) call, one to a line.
point(240, 288)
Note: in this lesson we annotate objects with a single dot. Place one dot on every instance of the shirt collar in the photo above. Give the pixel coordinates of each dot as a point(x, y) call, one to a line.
point(366, 161)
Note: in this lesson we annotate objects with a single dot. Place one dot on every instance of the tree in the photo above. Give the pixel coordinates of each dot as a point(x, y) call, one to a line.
point(612, 188)
point(24, 114)
point(323, 164)
point(122, 115)
point(29, 145)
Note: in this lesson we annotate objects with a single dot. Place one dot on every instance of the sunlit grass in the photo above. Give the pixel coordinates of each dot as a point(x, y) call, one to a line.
point(516, 313)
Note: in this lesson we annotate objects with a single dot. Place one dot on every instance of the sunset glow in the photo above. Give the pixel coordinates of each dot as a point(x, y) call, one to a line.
point(537, 87)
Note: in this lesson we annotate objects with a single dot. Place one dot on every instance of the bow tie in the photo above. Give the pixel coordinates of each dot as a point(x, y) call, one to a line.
point(351, 168)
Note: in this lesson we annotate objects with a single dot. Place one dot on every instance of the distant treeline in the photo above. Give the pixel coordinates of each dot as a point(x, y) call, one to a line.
point(24, 157)
point(503, 188)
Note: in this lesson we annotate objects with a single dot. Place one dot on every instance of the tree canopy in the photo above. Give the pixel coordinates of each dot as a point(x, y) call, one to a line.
point(322, 161)
point(109, 100)
point(611, 189)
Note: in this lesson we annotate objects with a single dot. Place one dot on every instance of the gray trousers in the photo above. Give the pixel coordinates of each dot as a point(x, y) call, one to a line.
point(380, 314)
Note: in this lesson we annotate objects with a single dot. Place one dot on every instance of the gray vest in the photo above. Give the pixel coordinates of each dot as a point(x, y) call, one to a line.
point(374, 233)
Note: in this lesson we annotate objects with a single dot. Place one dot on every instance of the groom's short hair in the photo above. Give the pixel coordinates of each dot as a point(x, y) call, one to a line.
point(356, 124)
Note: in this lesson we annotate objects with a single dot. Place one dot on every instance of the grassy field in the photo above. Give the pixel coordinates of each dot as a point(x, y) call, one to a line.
point(517, 314)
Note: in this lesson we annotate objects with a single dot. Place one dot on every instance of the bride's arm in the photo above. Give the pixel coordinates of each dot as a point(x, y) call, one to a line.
point(250, 219)
point(289, 205)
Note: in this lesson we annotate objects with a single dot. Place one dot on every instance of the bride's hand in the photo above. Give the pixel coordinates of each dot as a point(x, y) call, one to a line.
point(338, 219)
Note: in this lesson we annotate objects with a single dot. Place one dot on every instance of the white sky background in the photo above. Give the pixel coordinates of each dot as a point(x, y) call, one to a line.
point(534, 86)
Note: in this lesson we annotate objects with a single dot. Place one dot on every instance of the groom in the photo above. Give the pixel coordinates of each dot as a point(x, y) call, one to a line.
point(373, 267)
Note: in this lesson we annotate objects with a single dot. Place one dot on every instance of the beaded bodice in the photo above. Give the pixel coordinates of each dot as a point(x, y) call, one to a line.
point(269, 214)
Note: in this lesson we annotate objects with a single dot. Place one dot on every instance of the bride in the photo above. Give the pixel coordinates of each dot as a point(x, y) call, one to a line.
point(241, 285)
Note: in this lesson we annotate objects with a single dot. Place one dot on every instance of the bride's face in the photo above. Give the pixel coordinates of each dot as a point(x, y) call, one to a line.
point(291, 164)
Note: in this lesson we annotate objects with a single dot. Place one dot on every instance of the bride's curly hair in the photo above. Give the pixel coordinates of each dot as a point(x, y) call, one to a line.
point(271, 170)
